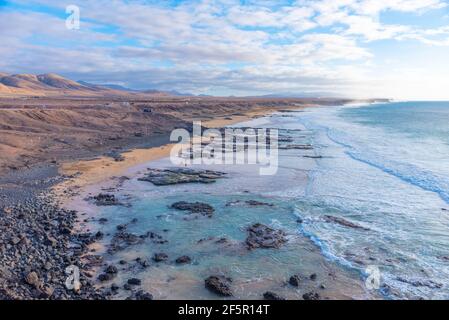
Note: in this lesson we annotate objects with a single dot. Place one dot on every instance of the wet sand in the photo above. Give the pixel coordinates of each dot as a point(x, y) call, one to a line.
point(103, 175)
point(84, 173)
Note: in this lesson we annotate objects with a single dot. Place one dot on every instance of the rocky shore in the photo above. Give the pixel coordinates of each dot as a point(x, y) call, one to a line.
point(129, 256)
point(37, 244)
point(39, 240)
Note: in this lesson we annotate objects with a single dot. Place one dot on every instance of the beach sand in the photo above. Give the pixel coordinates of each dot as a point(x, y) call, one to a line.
point(100, 170)
point(103, 174)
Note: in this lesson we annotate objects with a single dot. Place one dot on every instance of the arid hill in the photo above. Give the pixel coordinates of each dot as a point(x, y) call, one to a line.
point(47, 118)
point(49, 129)
point(51, 85)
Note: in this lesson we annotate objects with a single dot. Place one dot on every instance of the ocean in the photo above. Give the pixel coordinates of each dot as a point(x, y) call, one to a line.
point(387, 168)
point(372, 193)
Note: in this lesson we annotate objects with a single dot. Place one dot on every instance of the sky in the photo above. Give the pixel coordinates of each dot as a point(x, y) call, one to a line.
point(354, 48)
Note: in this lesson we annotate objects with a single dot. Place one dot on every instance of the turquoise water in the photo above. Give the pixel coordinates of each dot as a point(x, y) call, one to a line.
point(253, 272)
point(384, 167)
point(388, 170)
point(418, 120)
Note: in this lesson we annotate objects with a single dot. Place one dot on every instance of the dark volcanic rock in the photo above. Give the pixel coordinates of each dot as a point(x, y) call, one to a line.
point(93, 260)
point(104, 199)
point(159, 257)
point(183, 260)
point(121, 227)
point(344, 222)
point(111, 269)
point(103, 220)
point(253, 203)
point(296, 147)
point(140, 295)
point(269, 295)
point(99, 235)
point(134, 282)
point(122, 240)
point(194, 208)
point(295, 280)
point(262, 236)
point(311, 296)
point(258, 203)
point(181, 175)
point(219, 285)
point(106, 277)
point(37, 244)
point(421, 283)
point(114, 287)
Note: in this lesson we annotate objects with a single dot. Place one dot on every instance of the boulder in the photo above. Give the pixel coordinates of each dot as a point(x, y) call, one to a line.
point(106, 277)
point(311, 296)
point(111, 269)
point(32, 278)
point(104, 199)
point(180, 175)
point(262, 236)
point(183, 260)
point(194, 208)
point(142, 295)
point(219, 285)
point(344, 222)
point(134, 282)
point(159, 257)
point(269, 295)
point(295, 280)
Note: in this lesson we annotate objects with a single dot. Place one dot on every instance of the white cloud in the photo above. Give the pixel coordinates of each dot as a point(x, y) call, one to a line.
point(296, 18)
point(362, 17)
point(257, 47)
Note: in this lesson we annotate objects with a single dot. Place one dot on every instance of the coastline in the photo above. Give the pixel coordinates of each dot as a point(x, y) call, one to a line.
point(57, 193)
point(98, 171)
point(103, 175)
point(35, 197)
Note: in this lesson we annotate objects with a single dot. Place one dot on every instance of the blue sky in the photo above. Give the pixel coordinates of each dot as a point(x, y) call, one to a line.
point(354, 48)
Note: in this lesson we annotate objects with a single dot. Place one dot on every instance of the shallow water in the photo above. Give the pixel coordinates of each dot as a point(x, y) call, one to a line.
point(388, 170)
point(382, 169)
point(253, 272)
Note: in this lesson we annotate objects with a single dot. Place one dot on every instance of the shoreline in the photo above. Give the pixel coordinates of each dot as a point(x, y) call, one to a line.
point(100, 170)
point(109, 179)
point(40, 193)
point(62, 192)
point(38, 242)
point(84, 178)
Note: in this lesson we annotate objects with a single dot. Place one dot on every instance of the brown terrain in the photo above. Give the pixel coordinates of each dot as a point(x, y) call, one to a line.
point(47, 118)
point(47, 123)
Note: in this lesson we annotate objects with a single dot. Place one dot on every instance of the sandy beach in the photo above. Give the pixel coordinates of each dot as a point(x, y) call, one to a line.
point(85, 173)
point(119, 178)
point(58, 184)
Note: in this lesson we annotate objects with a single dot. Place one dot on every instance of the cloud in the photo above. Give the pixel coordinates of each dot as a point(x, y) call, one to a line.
point(211, 45)
point(297, 18)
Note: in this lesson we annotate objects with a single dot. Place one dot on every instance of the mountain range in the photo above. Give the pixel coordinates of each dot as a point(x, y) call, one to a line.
point(51, 84)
